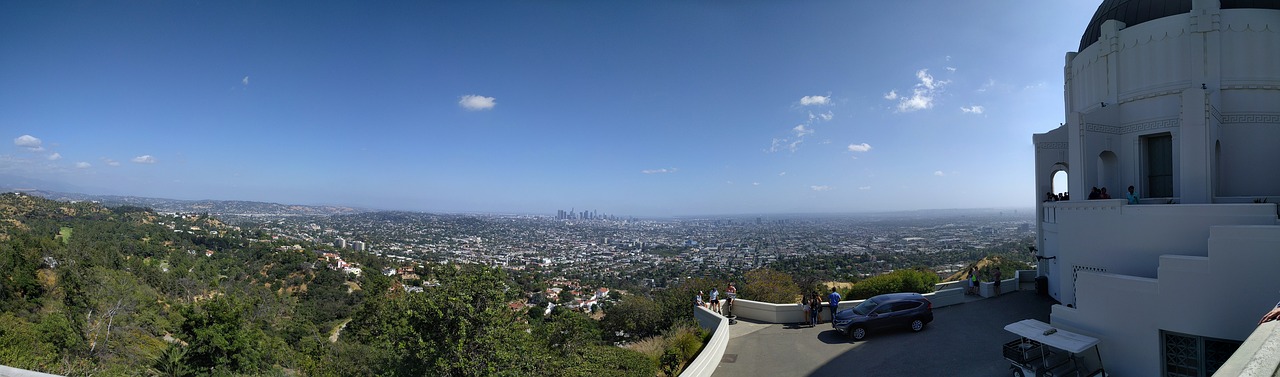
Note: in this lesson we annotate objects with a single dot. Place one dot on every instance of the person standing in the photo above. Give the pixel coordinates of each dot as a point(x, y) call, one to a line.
point(815, 305)
point(1133, 197)
point(997, 281)
point(715, 300)
point(834, 300)
point(973, 280)
point(730, 294)
point(804, 307)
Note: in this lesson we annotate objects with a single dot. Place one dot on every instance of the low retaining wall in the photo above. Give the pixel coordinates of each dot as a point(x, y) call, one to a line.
point(709, 358)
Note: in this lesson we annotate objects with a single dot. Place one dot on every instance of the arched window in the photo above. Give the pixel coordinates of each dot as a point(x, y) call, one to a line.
point(1059, 180)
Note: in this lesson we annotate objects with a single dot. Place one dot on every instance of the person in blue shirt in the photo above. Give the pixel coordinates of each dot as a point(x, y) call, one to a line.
point(1133, 197)
point(834, 300)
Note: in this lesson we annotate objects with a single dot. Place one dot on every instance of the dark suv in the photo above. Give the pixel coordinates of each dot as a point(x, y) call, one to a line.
point(894, 310)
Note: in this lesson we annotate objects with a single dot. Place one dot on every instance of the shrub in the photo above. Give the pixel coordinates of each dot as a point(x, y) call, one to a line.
point(911, 280)
point(768, 285)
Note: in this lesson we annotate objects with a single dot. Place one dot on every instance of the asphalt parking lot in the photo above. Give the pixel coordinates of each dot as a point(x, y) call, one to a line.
point(962, 340)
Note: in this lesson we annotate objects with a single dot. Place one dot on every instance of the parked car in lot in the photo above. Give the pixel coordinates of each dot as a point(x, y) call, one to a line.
point(887, 311)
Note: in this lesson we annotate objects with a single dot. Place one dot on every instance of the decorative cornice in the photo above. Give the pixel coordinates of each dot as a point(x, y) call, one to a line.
point(1052, 145)
point(1132, 128)
point(1152, 125)
point(1249, 118)
point(1094, 127)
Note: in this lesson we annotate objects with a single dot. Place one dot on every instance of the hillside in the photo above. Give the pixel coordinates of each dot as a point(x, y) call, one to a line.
point(125, 291)
point(215, 207)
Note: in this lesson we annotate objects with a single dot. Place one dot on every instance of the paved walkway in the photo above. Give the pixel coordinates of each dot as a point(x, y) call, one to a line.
point(962, 340)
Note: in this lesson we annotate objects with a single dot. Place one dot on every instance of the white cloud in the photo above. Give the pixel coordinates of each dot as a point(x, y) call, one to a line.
point(110, 162)
point(801, 130)
point(921, 95)
point(864, 187)
point(474, 103)
point(820, 188)
point(659, 171)
point(939, 173)
point(891, 95)
point(815, 100)
point(975, 109)
point(755, 183)
point(794, 145)
point(952, 69)
point(782, 174)
point(82, 165)
point(925, 78)
point(55, 156)
point(776, 145)
point(245, 81)
point(827, 115)
point(144, 159)
point(31, 143)
point(784, 143)
point(864, 147)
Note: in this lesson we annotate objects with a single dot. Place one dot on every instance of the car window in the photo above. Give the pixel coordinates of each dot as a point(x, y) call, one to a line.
point(865, 307)
point(885, 308)
point(905, 306)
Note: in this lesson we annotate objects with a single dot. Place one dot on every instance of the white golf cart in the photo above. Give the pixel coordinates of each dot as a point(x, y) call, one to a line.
point(1044, 350)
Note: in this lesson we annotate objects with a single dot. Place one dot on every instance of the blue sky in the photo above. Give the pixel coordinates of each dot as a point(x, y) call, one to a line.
point(630, 108)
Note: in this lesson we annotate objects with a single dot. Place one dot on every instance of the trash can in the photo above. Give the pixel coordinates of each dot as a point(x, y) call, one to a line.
point(1042, 285)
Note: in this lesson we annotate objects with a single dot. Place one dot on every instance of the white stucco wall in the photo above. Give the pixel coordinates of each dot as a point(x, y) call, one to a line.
point(1204, 78)
point(1114, 237)
point(1205, 266)
point(1220, 296)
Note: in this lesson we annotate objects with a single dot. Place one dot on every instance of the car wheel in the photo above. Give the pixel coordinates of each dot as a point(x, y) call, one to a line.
point(917, 325)
point(1017, 372)
point(858, 333)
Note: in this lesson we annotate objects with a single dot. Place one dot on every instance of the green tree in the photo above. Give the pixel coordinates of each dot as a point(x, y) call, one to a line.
point(220, 339)
point(636, 317)
point(460, 328)
point(769, 285)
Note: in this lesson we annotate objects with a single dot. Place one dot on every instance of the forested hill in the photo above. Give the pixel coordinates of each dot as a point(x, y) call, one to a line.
point(90, 290)
point(216, 207)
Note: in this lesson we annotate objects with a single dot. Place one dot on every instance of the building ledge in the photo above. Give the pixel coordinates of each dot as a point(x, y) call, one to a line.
point(1258, 356)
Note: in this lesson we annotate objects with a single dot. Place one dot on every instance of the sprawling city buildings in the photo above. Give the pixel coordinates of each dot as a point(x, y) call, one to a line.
point(1181, 101)
point(629, 250)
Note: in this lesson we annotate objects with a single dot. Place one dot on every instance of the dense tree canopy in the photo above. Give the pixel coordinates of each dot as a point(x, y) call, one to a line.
point(126, 291)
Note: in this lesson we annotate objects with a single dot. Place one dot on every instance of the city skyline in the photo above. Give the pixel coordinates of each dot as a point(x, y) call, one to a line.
point(657, 109)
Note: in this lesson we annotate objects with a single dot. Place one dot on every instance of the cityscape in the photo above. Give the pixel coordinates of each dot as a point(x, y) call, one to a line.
point(647, 189)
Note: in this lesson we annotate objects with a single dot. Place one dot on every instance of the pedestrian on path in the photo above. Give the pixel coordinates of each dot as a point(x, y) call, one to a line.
point(834, 300)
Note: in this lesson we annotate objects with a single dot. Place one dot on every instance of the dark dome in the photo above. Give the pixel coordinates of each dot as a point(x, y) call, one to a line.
point(1133, 12)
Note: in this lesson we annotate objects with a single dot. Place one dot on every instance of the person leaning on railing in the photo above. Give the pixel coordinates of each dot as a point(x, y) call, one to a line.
point(1272, 315)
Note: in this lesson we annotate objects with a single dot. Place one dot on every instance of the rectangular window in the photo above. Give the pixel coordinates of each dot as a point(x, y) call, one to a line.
point(1194, 356)
point(1159, 165)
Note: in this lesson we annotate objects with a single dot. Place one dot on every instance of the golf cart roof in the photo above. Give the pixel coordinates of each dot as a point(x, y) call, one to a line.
point(1060, 339)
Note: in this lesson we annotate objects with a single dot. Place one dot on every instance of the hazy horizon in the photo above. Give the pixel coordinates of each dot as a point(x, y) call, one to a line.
point(633, 109)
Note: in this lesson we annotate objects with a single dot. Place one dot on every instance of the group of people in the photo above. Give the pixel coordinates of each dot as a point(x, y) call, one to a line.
point(991, 273)
point(1095, 194)
point(812, 306)
point(730, 294)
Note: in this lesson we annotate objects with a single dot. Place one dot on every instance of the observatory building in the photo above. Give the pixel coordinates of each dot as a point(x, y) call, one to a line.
point(1181, 100)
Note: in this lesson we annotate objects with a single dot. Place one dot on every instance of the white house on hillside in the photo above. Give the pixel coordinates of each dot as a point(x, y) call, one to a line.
point(1180, 99)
